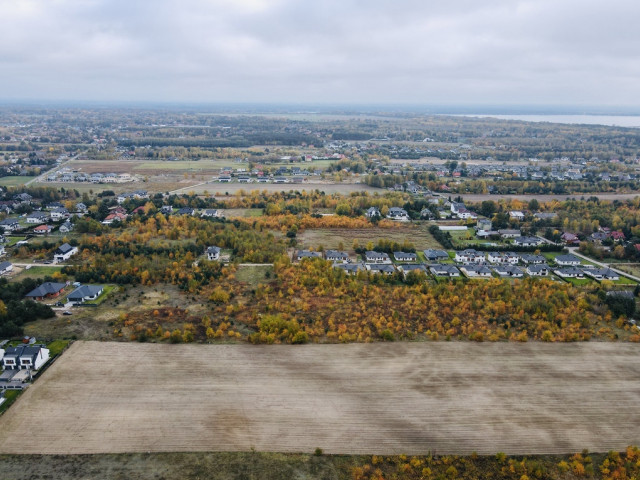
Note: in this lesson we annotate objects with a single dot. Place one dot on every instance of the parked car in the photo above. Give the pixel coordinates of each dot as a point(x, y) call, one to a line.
point(59, 304)
point(67, 312)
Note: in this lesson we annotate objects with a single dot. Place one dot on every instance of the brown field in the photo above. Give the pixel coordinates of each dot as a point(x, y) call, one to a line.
point(472, 197)
point(331, 237)
point(407, 398)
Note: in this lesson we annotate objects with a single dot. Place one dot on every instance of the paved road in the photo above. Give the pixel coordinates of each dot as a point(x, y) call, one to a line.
point(49, 172)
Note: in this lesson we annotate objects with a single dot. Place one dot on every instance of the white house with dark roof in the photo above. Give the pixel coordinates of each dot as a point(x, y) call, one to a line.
point(397, 213)
point(59, 213)
point(376, 257)
point(539, 270)
point(405, 257)
point(444, 270)
point(337, 256)
point(211, 213)
point(602, 274)
point(350, 268)
point(384, 269)
point(372, 212)
point(213, 253)
point(85, 293)
point(567, 260)
point(507, 270)
point(412, 267)
point(569, 272)
point(527, 241)
point(10, 224)
point(532, 259)
point(64, 252)
point(25, 357)
point(5, 267)
point(37, 218)
point(435, 255)
point(476, 271)
point(469, 256)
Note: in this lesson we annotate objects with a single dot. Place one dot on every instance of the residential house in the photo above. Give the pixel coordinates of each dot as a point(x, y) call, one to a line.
point(397, 213)
point(435, 255)
point(25, 357)
point(427, 214)
point(569, 272)
point(302, 254)
point(37, 217)
point(137, 195)
point(66, 227)
point(10, 224)
point(599, 236)
point(516, 215)
point(602, 274)
point(617, 235)
point(474, 271)
point(567, 260)
point(530, 259)
point(469, 256)
point(64, 252)
point(186, 211)
point(337, 256)
point(376, 257)
point(350, 268)
point(85, 293)
point(213, 253)
point(46, 290)
point(508, 271)
point(5, 267)
point(538, 270)
point(509, 233)
point(527, 241)
point(114, 217)
point(81, 207)
point(544, 216)
point(483, 225)
point(503, 258)
point(43, 229)
point(405, 257)
point(570, 238)
point(384, 269)
point(211, 213)
point(444, 270)
point(410, 267)
point(166, 209)
point(59, 214)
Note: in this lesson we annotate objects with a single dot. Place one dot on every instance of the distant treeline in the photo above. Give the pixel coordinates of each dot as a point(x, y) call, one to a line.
point(236, 141)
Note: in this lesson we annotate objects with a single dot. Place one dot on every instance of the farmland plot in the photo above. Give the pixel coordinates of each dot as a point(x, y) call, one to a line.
point(407, 398)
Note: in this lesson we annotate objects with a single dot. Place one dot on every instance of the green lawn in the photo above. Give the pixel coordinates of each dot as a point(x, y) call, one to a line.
point(578, 282)
point(36, 272)
point(14, 181)
point(57, 346)
point(254, 275)
point(11, 396)
point(242, 212)
point(13, 240)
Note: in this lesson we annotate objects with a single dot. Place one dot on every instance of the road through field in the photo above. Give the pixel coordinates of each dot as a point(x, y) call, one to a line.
point(391, 398)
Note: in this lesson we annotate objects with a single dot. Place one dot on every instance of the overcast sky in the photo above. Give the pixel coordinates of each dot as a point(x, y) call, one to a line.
point(568, 52)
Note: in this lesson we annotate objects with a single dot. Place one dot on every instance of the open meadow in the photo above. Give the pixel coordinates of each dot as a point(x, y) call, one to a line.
point(410, 398)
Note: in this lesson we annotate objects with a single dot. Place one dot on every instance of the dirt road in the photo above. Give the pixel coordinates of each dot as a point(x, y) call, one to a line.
point(361, 398)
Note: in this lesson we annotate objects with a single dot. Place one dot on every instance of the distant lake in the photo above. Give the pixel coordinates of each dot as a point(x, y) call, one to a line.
point(609, 120)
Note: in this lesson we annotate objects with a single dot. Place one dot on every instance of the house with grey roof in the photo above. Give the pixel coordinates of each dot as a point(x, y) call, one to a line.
point(384, 269)
point(412, 267)
point(397, 213)
point(376, 257)
point(444, 270)
point(5, 267)
point(405, 257)
point(337, 256)
point(213, 253)
point(476, 271)
point(538, 270)
point(527, 241)
point(64, 252)
point(46, 290)
point(507, 270)
point(350, 268)
point(25, 357)
point(602, 274)
point(37, 217)
point(85, 293)
point(569, 272)
point(567, 260)
point(532, 259)
point(434, 255)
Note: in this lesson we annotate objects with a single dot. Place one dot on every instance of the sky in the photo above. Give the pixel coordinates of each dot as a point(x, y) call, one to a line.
point(412, 52)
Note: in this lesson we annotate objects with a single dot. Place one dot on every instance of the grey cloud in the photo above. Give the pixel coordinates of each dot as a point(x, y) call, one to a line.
point(495, 51)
